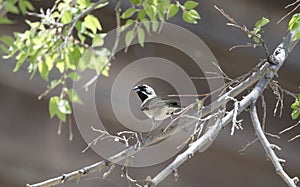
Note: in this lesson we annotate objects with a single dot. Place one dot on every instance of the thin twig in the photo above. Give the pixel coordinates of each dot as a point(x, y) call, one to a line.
point(243, 28)
point(248, 145)
point(290, 12)
point(236, 124)
point(264, 106)
point(70, 128)
point(294, 138)
point(78, 17)
point(289, 128)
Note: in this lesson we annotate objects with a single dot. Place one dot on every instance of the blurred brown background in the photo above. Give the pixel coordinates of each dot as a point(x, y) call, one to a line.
point(31, 151)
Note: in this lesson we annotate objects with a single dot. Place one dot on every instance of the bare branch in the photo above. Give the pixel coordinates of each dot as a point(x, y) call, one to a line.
point(112, 167)
point(290, 12)
point(289, 128)
point(279, 94)
point(247, 45)
point(264, 106)
point(248, 145)
point(269, 149)
point(294, 138)
point(236, 124)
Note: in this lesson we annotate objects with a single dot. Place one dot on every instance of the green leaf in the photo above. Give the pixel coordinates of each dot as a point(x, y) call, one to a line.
point(5, 20)
point(128, 13)
point(66, 17)
point(83, 3)
point(57, 105)
point(8, 40)
point(256, 40)
point(147, 25)
point(74, 76)
point(187, 17)
point(81, 37)
point(97, 40)
point(161, 12)
point(64, 106)
point(295, 105)
point(173, 10)
point(155, 26)
point(21, 58)
point(127, 24)
point(194, 14)
point(43, 69)
point(105, 71)
point(22, 6)
point(28, 5)
point(3, 49)
point(294, 25)
point(10, 7)
point(188, 5)
point(73, 96)
point(50, 59)
point(128, 38)
point(142, 14)
point(102, 5)
point(141, 36)
point(295, 114)
point(262, 22)
point(92, 23)
point(199, 104)
point(85, 59)
point(297, 36)
point(136, 2)
point(72, 58)
point(60, 65)
point(151, 12)
point(53, 106)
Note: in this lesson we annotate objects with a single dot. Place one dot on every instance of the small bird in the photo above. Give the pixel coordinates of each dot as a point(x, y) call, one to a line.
point(153, 106)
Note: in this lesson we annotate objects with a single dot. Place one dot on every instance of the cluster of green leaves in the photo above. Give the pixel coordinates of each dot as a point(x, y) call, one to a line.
point(146, 15)
point(296, 108)
point(43, 48)
point(294, 25)
point(13, 7)
point(257, 31)
point(59, 43)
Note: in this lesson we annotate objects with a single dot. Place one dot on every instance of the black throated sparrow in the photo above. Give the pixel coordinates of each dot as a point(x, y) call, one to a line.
point(154, 107)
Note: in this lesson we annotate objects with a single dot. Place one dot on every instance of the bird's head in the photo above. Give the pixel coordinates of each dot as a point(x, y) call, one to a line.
point(144, 91)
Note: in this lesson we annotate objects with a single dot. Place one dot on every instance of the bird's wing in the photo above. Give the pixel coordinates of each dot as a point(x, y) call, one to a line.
point(156, 102)
point(173, 103)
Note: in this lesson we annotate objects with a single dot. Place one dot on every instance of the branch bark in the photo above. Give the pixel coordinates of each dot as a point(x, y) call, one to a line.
point(269, 149)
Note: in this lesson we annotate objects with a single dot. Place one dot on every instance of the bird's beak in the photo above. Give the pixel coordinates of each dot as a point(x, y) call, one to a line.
point(136, 88)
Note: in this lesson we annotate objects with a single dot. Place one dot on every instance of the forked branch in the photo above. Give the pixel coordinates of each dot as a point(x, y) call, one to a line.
point(269, 149)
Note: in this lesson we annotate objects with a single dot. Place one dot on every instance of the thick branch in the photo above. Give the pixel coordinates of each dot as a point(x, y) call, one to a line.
point(268, 149)
point(279, 56)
